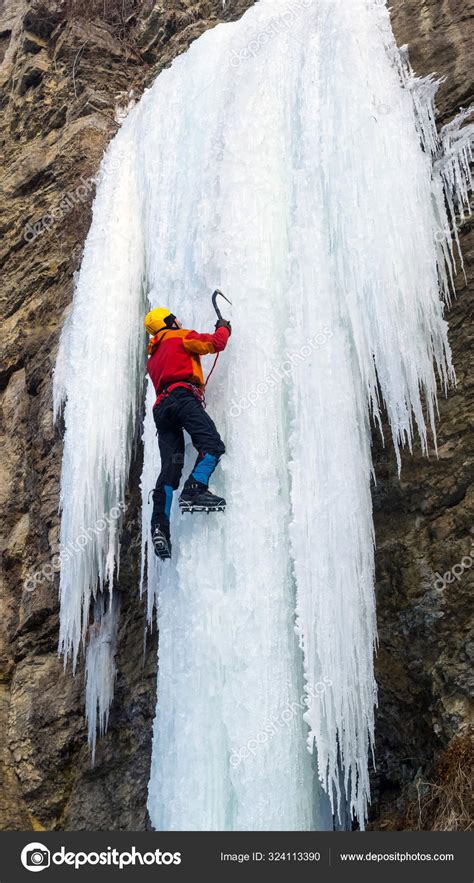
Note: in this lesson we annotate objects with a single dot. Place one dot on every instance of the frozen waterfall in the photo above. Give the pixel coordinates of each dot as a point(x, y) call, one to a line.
point(290, 159)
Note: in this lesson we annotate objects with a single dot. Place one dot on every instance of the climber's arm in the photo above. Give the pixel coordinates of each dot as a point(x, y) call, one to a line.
point(204, 344)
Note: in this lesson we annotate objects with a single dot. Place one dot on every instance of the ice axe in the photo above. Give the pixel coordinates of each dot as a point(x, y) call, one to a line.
point(216, 294)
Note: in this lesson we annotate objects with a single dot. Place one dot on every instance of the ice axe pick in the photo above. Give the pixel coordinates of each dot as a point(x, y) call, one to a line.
point(216, 294)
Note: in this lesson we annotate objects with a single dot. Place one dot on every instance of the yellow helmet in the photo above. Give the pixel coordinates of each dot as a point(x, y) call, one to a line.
point(155, 320)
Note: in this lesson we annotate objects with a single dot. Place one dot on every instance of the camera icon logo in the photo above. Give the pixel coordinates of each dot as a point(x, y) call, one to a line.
point(35, 857)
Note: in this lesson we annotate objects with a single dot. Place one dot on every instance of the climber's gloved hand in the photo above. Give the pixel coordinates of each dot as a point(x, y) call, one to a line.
point(223, 323)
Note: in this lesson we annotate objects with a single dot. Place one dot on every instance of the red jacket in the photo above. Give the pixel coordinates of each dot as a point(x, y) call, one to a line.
point(175, 356)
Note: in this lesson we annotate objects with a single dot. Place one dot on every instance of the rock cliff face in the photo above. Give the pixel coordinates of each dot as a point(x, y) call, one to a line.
point(65, 66)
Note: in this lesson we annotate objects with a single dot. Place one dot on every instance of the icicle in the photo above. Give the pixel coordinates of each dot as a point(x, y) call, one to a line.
point(451, 154)
point(102, 346)
point(150, 568)
point(454, 166)
point(100, 667)
point(61, 369)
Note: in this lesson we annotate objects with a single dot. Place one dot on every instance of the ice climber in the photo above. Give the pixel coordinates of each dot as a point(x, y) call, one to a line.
point(174, 366)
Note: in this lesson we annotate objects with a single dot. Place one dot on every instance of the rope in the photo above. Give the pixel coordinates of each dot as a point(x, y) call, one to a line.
point(212, 369)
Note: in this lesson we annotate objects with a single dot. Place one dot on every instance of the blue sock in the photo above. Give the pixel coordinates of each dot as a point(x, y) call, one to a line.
point(204, 469)
point(169, 499)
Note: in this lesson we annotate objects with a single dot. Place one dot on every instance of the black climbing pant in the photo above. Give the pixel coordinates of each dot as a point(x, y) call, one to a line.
point(178, 411)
